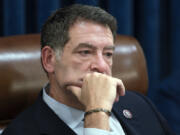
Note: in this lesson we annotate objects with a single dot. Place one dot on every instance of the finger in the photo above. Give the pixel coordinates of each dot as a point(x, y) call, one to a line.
point(120, 87)
point(75, 90)
point(117, 97)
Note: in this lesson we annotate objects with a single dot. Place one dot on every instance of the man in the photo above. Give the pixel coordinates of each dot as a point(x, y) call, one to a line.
point(82, 97)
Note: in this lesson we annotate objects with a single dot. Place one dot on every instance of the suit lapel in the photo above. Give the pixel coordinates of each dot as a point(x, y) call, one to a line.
point(125, 123)
point(129, 124)
point(48, 121)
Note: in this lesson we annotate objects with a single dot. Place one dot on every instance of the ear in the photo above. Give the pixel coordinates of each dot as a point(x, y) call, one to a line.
point(48, 58)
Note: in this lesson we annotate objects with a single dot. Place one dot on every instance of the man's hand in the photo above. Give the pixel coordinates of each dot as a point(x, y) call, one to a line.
point(99, 91)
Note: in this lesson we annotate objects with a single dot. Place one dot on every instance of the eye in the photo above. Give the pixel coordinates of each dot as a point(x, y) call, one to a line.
point(84, 52)
point(108, 54)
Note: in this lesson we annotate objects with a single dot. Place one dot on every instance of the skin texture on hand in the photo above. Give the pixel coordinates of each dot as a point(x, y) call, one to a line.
point(98, 91)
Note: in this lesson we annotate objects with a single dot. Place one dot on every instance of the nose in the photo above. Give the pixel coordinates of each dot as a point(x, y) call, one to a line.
point(99, 64)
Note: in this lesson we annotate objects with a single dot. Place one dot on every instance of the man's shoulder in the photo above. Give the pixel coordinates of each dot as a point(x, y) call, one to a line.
point(136, 102)
point(135, 109)
point(134, 97)
point(25, 122)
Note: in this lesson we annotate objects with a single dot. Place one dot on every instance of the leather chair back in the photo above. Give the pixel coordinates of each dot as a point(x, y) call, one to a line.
point(22, 76)
point(129, 64)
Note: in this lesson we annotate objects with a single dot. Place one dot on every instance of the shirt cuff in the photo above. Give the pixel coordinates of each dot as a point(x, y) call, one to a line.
point(95, 131)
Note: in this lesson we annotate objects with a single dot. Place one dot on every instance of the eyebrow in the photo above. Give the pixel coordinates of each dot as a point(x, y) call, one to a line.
point(86, 45)
point(110, 47)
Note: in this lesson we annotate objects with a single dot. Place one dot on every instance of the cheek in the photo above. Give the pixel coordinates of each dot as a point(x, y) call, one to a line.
point(81, 65)
point(74, 68)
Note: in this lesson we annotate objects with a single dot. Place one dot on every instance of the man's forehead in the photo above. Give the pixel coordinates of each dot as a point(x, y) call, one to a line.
point(87, 45)
point(85, 26)
point(91, 34)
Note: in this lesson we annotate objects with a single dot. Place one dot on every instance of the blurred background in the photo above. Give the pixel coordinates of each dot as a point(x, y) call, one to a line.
point(155, 23)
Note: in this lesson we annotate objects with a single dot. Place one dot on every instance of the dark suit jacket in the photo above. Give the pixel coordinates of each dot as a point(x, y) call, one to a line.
point(39, 119)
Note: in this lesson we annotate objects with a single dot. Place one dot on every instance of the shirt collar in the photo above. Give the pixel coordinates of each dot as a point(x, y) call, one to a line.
point(71, 116)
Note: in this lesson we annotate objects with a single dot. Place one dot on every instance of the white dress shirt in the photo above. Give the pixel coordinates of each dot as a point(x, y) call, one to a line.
point(74, 119)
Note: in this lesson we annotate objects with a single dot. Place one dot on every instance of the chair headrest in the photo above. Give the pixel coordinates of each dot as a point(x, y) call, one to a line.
point(129, 64)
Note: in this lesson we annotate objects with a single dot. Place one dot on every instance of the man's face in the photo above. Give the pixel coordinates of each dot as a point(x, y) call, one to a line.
point(89, 49)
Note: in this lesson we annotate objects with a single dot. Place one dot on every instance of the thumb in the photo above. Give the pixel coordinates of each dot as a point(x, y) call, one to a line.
point(75, 91)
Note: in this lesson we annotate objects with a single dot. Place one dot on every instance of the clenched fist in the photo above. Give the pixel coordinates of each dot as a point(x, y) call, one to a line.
point(99, 91)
